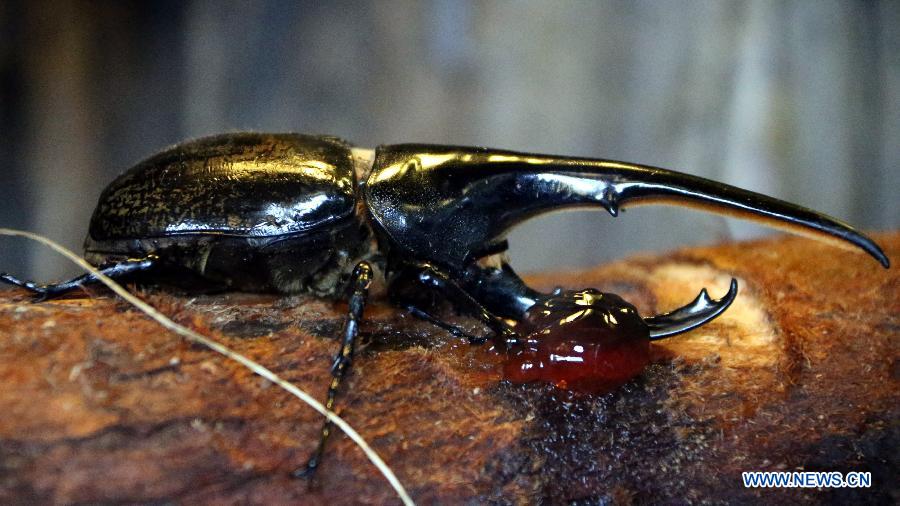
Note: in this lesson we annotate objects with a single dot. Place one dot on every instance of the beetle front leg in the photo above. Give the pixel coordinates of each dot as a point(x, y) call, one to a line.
point(425, 275)
point(359, 285)
point(452, 329)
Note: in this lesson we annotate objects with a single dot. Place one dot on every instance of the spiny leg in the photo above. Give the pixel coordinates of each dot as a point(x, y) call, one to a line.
point(116, 270)
point(452, 329)
point(428, 276)
point(359, 286)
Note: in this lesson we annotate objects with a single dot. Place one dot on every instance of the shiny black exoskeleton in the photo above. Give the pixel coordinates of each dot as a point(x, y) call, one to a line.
point(295, 213)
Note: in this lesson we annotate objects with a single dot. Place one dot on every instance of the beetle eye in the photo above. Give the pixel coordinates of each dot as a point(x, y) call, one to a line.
point(586, 341)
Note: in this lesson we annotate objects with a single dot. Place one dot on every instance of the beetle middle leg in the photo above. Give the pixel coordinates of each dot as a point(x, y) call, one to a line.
point(115, 271)
point(359, 287)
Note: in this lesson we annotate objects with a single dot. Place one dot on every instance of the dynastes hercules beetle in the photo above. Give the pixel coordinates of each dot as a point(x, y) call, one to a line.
point(297, 213)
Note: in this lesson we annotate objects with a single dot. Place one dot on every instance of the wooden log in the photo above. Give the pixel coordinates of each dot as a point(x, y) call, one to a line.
point(101, 405)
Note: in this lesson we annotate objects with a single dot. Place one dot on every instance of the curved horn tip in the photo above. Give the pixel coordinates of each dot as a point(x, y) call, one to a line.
point(732, 290)
point(885, 261)
point(871, 247)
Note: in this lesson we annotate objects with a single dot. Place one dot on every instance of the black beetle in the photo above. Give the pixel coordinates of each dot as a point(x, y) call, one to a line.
point(296, 213)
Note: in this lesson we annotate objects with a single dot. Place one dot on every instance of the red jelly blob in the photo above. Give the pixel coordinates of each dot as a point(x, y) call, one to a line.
point(587, 341)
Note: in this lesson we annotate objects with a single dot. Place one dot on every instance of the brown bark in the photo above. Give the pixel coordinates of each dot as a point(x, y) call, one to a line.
point(101, 405)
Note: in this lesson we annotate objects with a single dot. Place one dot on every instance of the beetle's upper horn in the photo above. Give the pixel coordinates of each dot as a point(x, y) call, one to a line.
point(489, 191)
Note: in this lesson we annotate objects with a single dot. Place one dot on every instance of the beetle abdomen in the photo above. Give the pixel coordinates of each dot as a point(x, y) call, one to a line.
point(246, 184)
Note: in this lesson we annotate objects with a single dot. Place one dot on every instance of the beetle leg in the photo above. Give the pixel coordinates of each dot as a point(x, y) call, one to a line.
point(452, 329)
point(359, 284)
point(117, 270)
point(428, 276)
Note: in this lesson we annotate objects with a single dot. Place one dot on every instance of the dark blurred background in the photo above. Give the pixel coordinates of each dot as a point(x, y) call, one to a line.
point(800, 100)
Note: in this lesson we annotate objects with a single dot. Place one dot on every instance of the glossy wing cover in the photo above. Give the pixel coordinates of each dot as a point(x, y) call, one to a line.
point(242, 184)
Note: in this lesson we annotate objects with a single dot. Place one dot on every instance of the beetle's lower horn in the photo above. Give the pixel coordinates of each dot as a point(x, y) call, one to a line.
point(699, 311)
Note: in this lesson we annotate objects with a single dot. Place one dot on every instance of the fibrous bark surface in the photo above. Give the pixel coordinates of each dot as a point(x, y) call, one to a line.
point(101, 405)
